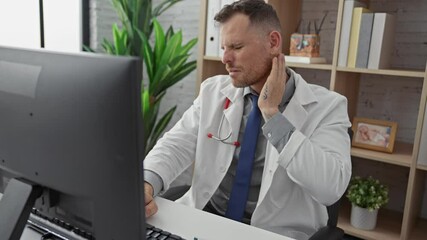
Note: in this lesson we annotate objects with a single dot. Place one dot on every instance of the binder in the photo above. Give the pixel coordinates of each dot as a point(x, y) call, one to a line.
point(212, 30)
point(382, 41)
point(364, 40)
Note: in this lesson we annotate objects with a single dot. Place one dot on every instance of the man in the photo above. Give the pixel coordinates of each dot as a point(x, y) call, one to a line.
point(301, 161)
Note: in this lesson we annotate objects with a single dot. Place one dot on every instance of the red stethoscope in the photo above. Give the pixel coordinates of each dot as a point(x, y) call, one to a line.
point(218, 138)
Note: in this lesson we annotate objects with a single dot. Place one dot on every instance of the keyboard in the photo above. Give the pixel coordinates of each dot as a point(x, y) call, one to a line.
point(154, 233)
point(56, 229)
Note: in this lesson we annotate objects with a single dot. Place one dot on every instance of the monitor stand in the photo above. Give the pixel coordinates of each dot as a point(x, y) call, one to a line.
point(15, 207)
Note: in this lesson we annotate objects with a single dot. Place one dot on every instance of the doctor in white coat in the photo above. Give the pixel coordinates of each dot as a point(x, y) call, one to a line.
point(297, 180)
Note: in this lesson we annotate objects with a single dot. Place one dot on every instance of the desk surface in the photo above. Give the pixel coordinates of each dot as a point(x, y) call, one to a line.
point(191, 223)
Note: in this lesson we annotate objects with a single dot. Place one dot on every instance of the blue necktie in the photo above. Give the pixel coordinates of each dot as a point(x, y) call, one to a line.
point(239, 192)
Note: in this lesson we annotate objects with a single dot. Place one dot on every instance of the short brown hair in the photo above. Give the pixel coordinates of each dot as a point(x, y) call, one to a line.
point(259, 12)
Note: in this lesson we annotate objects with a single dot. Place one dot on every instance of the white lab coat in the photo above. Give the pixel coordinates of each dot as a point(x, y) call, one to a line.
point(311, 171)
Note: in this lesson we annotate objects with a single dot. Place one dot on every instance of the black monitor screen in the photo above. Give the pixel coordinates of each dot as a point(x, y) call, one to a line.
point(70, 124)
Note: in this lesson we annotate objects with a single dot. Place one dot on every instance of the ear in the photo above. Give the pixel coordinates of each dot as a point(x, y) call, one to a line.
point(275, 43)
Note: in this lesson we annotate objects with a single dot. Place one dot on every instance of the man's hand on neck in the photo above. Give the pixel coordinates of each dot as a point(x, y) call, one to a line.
point(272, 92)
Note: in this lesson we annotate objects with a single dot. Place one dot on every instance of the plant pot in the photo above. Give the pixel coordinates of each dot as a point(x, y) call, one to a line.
point(362, 218)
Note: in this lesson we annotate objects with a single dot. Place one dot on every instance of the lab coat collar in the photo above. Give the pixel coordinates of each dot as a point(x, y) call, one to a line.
point(231, 92)
point(296, 111)
point(303, 93)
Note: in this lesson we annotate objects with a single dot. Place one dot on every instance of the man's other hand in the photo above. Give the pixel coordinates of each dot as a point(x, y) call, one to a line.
point(150, 205)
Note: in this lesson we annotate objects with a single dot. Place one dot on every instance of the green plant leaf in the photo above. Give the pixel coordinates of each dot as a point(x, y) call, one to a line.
point(124, 13)
point(179, 75)
point(187, 47)
point(120, 40)
point(145, 17)
point(160, 127)
point(88, 49)
point(165, 64)
point(160, 76)
point(367, 193)
point(173, 45)
point(165, 5)
point(145, 103)
point(148, 55)
point(108, 47)
point(169, 33)
point(160, 41)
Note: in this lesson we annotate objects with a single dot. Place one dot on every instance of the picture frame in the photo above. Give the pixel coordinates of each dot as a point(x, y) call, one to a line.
point(373, 134)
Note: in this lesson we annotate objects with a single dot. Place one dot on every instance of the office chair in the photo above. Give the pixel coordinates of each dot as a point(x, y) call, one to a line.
point(328, 232)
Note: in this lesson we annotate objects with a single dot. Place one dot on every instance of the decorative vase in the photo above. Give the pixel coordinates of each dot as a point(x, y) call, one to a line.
point(362, 218)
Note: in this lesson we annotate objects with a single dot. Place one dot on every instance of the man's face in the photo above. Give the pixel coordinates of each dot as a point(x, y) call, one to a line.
point(247, 56)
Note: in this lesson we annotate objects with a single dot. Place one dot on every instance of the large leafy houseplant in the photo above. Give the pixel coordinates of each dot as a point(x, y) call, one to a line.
point(367, 193)
point(166, 61)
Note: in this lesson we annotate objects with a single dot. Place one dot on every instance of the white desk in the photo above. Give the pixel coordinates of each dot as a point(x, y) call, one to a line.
point(191, 223)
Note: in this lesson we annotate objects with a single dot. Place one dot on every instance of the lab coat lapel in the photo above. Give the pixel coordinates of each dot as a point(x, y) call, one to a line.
point(232, 119)
point(233, 114)
point(296, 110)
point(297, 115)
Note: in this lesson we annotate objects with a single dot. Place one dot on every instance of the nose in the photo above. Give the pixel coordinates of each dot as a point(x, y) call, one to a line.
point(227, 56)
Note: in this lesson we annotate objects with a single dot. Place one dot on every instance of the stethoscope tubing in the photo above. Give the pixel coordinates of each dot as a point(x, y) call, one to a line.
point(218, 137)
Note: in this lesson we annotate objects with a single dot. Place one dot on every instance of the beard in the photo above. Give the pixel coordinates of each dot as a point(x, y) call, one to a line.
point(250, 75)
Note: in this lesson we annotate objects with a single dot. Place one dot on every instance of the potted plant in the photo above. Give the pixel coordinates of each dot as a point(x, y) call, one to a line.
point(367, 196)
point(166, 60)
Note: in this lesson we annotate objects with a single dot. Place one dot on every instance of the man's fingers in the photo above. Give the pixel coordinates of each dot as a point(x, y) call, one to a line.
point(274, 69)
point(281, 67)
point(150, 206)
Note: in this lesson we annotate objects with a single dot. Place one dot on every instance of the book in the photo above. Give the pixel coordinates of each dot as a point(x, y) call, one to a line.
point(298, 59)
point(364, 40)
point(212, 44)
point(345, 29)
point(382, 41)
point(354, 35)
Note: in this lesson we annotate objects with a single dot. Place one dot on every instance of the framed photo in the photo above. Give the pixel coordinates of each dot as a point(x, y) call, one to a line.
point(374, 134)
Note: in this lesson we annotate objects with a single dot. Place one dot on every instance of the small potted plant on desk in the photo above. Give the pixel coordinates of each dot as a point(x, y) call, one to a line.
point(366, 195)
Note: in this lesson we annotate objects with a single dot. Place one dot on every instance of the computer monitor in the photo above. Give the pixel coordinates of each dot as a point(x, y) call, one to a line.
point(70, 141)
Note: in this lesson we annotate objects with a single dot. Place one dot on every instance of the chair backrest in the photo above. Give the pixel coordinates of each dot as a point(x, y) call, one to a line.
point(333, 211)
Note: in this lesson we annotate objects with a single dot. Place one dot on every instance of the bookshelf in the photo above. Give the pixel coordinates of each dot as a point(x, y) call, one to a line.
point(404, 221)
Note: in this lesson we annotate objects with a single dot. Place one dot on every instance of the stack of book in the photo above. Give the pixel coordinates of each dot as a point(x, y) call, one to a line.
point(367, 38)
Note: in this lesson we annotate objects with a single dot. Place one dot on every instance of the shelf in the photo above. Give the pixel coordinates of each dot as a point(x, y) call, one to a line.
point(310, 66)
point(422, 167)
point(211, 58)
point(420, 230)
point(390, 72)
point(388, 224)
point(402, 154)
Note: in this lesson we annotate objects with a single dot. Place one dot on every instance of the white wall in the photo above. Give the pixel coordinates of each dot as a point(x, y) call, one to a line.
point(20, 27)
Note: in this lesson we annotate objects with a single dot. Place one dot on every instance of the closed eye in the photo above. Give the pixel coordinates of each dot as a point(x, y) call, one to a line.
point(236, 46)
